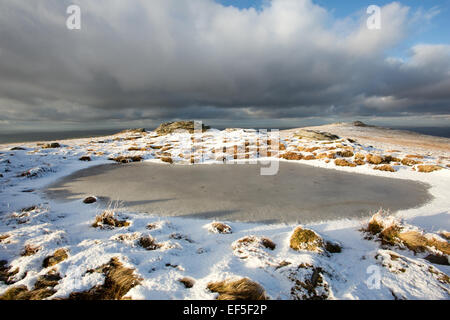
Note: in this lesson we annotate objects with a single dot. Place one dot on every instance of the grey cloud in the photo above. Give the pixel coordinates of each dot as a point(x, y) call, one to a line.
point(164, 59)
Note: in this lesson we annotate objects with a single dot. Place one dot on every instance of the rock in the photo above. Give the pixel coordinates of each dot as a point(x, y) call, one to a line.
point(137, 130)
point(52, 145)
point(315, 135)
point(171, 127)
point(359, 124)
point(57, 257)
point(90, 200)
point(437, 259)
point(305, 239)
point(187, 282)
point(85, 158)
point(332, 247)
point(18, 149)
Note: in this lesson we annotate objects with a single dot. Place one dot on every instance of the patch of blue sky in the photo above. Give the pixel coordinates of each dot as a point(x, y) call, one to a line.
point(434, 32)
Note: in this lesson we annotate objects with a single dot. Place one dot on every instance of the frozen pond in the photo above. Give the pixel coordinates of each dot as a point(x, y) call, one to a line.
point(298, 193)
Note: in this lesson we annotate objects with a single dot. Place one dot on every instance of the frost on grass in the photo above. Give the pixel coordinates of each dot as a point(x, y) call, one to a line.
point(43, 288)
point(7, 273)
point(219, 227)
point(242, 289)
point(118, 281)
point(26, 215)
point(410, 272)
point(107, 220)
point(256, 251)
point(127, 237)
point(308, 282)
point(36, 172)
point(149, 243)
point(3, 238)
point(30, 250)
point(391, 232)
point(251, 244)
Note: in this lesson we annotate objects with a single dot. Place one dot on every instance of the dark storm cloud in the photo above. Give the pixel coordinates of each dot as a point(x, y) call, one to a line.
point(197, 59)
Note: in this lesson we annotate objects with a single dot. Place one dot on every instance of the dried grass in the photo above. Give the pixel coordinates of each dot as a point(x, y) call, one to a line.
point(219, 227)
point(248, 241)
point(344, 163)
point(291, 156)
point(6, 274)
point(410, 162)
point(305, 239)
point(345, 153)
point(385, 167)
point(127, 159)
point(3, 237)
point(43, 288)
point(107, 220)
point(149, 243)
point(52, 145)
point(418, 242)
point(58, 256)
point(428, 168)
point(166, 159)
point(118, 281)
point(309, 157)
point(30, 250)
point(242, 289)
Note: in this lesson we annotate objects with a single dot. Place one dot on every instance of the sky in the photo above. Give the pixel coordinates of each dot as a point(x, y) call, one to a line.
point(262, 63)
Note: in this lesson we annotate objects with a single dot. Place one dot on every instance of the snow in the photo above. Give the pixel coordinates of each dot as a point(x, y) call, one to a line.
point(195, 251)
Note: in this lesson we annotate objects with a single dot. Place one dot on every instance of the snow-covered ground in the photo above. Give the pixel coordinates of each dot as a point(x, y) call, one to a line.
point(188, 247)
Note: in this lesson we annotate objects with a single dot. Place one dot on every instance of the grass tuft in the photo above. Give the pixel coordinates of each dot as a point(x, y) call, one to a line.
point(242, 289)
point(106, 220)
point(305, 239)
point(118, 281)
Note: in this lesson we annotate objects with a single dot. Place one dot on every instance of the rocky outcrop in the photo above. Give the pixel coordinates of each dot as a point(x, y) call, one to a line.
point(171, 127)
point(315, 135)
